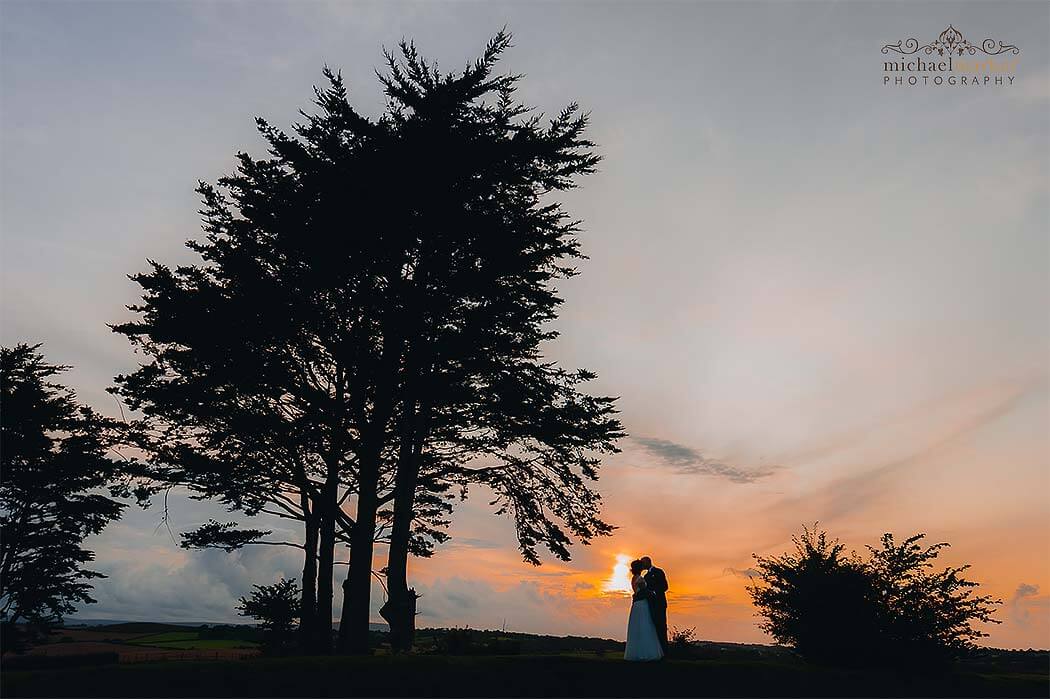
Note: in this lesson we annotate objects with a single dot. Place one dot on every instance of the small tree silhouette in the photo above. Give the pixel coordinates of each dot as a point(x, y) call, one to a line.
point(834, 607)
point(58, 488)
point(276, 607)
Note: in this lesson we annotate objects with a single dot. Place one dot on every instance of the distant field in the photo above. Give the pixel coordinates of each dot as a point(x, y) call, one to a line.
point(189, 640)
point(138, 627)
point(139, 642)
point(586, 675)
point(204, 644)
point(168, 637)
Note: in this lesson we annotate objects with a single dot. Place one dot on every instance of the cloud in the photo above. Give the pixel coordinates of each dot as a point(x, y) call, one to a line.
point(202, 586)
point(691, 461)
point(150, 578)
point(1026, 597)
point(472, 543)
point(528, 605)
point(690, 597)
point(741, 572)
point(540, 574)
point(958, 417)
point(1026, 590)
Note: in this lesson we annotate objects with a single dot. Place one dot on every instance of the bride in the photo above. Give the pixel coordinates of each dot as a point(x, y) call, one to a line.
point(642, 641)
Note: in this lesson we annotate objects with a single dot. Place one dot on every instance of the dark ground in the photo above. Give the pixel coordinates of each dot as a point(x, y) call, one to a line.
point(474, 663)
point(500, 676)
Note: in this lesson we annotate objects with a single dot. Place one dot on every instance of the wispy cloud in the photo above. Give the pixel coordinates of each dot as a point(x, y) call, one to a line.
point(684, 459)
point(1024, 599)
point(467, 542)
point(854, 492)
point(527, 605)
point(690, 597)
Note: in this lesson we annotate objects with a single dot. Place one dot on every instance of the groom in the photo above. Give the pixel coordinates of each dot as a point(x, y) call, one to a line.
point(656, 584)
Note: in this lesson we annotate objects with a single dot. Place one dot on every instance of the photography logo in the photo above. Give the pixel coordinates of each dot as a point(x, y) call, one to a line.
point(950, 60)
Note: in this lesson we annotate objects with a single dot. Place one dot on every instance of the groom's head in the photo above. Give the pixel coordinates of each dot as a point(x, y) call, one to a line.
point(646, 562)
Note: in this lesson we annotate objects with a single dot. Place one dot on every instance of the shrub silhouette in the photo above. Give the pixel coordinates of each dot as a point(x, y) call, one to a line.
point(276, 607)
point(833, 607)
point(682, 639)
point(925, 614)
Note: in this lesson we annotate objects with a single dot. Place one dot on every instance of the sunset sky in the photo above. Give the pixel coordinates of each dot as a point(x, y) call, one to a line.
point(819, 298)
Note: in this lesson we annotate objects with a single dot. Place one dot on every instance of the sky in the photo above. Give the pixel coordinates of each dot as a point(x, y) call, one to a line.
point(819, 297)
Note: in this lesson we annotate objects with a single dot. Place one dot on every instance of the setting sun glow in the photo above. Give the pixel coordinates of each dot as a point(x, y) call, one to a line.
point(620, 580)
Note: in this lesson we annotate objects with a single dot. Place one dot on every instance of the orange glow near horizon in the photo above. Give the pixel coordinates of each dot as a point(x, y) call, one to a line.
point(703, 531)
point(620, 580)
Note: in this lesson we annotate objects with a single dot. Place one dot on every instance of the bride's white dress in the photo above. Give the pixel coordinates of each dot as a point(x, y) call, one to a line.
point(642, 641)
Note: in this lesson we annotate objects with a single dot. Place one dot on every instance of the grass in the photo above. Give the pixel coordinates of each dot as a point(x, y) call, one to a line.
point(579, 674)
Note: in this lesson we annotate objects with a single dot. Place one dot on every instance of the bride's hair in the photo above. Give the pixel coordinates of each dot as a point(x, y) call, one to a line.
point(637, 567)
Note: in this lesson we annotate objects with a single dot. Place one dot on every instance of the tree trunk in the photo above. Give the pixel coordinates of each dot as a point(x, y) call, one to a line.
point(402, 620)
point(308, 600)
point(357, 588)
point(325, 564)
point(400, 609)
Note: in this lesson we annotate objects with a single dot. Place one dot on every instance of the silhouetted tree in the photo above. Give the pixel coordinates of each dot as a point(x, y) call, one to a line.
point(834, 607)
point(264, 388)
point(476, 403)
point(925, 613)
point(276, 607)
point(364, 328)
point(57, 486)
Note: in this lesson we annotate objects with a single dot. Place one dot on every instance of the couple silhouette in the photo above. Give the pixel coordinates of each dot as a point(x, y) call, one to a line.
point(647, 623)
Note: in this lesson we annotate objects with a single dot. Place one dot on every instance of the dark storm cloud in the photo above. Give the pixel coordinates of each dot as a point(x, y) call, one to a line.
point(685, 459)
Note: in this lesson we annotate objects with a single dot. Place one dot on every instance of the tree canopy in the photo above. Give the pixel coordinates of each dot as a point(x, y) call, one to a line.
point(362, 337)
